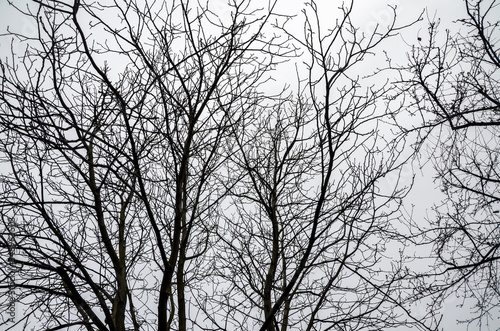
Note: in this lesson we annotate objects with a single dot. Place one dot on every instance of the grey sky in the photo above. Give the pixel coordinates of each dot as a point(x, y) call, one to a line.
point(369, 14)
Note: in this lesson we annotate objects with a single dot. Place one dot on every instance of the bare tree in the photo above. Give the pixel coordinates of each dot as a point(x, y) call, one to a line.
point(111, 123)
point(149, 180)
point(306, 245)
point(453, 80)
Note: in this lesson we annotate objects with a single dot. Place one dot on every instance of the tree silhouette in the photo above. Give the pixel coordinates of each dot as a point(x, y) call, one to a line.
point(151, 181)
point(454, 85)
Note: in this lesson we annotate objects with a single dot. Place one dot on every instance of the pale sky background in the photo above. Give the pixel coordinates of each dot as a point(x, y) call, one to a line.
point(369, 12)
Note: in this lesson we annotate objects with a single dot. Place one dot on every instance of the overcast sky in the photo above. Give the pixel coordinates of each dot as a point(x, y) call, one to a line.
point(370, 13)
